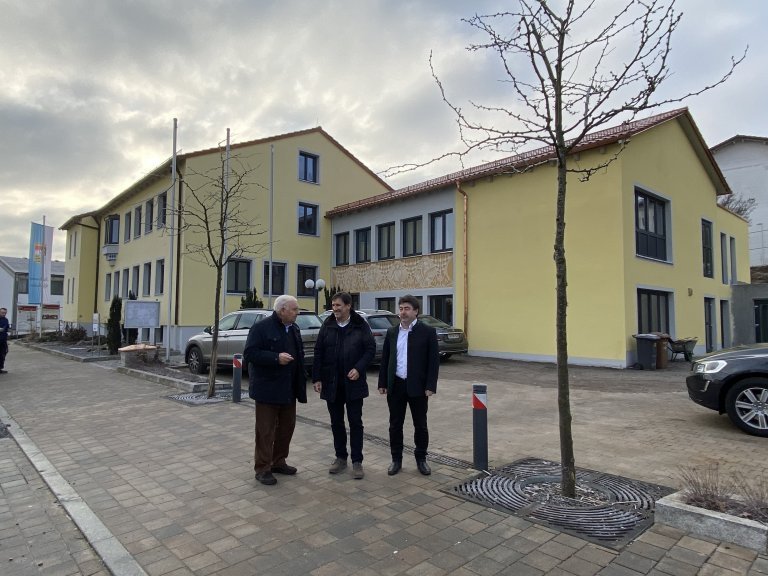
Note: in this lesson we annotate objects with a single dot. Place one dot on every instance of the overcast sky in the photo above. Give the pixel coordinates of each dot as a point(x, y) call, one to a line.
point(89, 90)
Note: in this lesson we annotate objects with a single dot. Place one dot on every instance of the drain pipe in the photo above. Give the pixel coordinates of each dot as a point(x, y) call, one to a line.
point(465, 278)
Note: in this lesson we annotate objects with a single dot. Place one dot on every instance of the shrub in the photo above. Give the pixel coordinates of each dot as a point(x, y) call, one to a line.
point(73, 333)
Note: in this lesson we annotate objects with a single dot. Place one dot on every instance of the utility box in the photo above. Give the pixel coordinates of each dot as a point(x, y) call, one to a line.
point(646, 350)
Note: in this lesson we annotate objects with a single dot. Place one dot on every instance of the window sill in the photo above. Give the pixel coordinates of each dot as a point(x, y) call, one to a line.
point(651, 259)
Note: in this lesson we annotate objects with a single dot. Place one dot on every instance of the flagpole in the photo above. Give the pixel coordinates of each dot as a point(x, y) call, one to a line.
point(42, 280)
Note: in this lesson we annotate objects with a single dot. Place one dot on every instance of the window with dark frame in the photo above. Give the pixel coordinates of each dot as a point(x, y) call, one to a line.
point(159, 276)
point(22, 283)
point(307, 214)
point(652, 311)
point(386, 241)
point(309, 167)
point(149, 216)
point(412, 236)
point(127, 233)
point(135, 281)
point(57, 286)
point(362, 245)
point(441, 231)
point(137, 222)
point(112, 230)
point(342, 249)
point(304, 273)
point(126, 282)
point(441, 307)
point(278, 279)
point(238, 276)
point(650, 226)
point(706, 249)
point(108, 287)
point(724, 258)
point(116, 284)
point(162, 209)
point(386, 304)
point(147, 286)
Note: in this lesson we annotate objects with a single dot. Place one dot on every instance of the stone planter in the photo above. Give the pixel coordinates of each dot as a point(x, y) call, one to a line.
point(673, 511)
point(138, 354)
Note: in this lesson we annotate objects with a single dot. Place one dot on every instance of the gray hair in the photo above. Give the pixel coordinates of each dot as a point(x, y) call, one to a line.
point(283, 301)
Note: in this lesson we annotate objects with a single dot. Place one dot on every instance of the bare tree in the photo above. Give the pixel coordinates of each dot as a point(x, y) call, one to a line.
point(571, 69)
point(738, 204)
point(219, 227)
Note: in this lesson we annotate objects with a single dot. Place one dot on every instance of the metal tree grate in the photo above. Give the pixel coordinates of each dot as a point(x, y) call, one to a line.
point(4, 430)
point(608, 510)
point(201, 398)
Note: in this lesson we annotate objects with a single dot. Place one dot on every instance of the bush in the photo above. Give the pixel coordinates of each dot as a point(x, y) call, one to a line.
point(250, 300)
point(733, 494)
point(114, 334)
point(73, 333)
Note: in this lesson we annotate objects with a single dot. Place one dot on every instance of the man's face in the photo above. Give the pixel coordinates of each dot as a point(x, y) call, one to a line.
point(407, 314)
point(340, 310)
point(288, 313)
point(3, 312)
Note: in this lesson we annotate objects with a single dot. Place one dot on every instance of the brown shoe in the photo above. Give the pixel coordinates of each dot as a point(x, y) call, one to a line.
point(357, 471)
point(337, 466)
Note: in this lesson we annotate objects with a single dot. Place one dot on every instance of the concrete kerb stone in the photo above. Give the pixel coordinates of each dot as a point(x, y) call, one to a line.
point(673, 511)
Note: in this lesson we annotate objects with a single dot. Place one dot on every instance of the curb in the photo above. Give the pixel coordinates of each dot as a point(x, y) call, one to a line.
point(673, 511)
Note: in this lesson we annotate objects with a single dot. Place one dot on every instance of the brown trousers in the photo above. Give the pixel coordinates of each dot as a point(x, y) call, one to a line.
point(274, 429)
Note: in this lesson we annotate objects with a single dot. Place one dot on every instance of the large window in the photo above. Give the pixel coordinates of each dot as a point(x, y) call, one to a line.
point(137, 222)
point(108, 287)
point(307, 219)
point(724, 257)
point(309, 165)
point(652, 311)
point(386, 240)
point(441, 231)
point(363, 245)
point(22, 283)
point(412, 236)
point(126, 282)
point(159, 276)
point(162, 209)
point(149, 216)
point(127, 226)
point(342, 249)
point(72, 243)
point(386, 304)
point(238, 276)
point(57, 286)
point(650, 226)
point(304, 273)
point(116, 284)
point(112, 230)
point(442, 307)
point(147, 285)
point(135, 281)
point(278, 279)
point(706, 249)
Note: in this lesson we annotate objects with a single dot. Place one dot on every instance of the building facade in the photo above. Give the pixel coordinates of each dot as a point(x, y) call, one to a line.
point(14, 294)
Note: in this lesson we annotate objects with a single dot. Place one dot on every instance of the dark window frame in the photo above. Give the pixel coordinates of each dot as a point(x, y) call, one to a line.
point(305, 272)
point(650, 225)
point(238, 276)
point(363, 238)
point(137, 222)
point(309, 167)
point(342, 249)
point(389, 253)
point(446, 232)
point(707, 249)
point(149, 215)
point(307, 218)
point(268, 285)
point(128, 232)
point(411, 230)
point(112, 230)
point(654, 314)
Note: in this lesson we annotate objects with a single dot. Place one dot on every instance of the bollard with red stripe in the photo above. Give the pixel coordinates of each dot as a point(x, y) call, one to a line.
point(480, 426)
point(237, 376)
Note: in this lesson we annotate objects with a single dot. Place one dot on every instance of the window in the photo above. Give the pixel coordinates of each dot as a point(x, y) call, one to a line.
point(342, 249)
point(149, 216)
point(442, 307)
point(724, 257)
point(386, 304)
point(116, 284)
point(412, 236)
point(706, 249)
point(386, 241)
point(304, 273)
point(162, 208)
point(73, 243)
point(363, 245)
point(108, 287)
point(650, 226)
point(57, 286)
point(146, 286)
point(125, 282)
point(159, 276)
point(22, 283)
point(733, 260)
point(135, 281)
point(308, 167)
point(137, 222)
point(68, 289)
point(307, 219)
point(278, 279)
point(238, 276)
point(112, 230)
point(127, 226)
point(652, 311)
point(441, 231)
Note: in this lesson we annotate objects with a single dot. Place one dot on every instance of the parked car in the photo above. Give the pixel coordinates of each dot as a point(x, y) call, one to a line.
point(734, 382)
point(233, 332)
point(450, 340)
point(379, 321)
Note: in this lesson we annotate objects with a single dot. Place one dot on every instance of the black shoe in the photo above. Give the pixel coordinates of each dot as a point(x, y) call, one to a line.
point(266, 478)
point(394, 468)
point(423, 467)
point(284, 469)
point(3, 372)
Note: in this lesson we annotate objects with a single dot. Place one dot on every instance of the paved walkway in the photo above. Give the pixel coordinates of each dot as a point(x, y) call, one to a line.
point(164, 488)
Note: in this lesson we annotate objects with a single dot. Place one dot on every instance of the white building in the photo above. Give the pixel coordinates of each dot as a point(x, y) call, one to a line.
point(14, 291)
point(744, 162)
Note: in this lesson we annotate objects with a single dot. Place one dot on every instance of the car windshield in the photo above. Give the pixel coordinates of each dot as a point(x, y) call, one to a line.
point(382, 322)
point(432, 321)
point(308, 321)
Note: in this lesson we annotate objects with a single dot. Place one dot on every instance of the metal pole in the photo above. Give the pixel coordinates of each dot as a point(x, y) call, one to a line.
point(317, 295)
point(480, 426)
point(169, 226)
point(225, 206)
point(237, 376)
point(271, 210)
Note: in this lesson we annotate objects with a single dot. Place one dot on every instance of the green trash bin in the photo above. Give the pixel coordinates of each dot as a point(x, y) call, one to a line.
point(646, 350)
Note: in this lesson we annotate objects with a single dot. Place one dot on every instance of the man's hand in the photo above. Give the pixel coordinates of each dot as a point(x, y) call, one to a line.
point(318, 386)
point(428, 393)
point(284, 358)
point(353, 374)
point(382, 390)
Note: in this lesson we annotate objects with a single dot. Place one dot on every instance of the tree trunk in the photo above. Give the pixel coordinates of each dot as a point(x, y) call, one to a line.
point(215, 341)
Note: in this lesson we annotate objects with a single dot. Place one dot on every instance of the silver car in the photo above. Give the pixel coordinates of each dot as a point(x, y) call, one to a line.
point(233, 332)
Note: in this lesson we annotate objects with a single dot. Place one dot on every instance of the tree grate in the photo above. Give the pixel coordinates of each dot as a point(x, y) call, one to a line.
point(608, 510)
point(4, 430)
point(201, 398)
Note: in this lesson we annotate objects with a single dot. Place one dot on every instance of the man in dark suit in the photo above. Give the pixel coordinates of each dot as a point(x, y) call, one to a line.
point(408, 376)
point(275, 356)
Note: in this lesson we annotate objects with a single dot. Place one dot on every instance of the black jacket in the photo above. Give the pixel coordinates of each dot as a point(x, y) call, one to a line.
point(358, 351)
point(269, 382)
point(423, 360)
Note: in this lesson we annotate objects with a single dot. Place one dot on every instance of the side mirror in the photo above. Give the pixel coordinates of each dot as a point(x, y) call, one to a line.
point(207, 330)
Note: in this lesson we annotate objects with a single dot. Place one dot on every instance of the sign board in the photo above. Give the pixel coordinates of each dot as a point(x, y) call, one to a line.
point(95, 324)
point(141, 314)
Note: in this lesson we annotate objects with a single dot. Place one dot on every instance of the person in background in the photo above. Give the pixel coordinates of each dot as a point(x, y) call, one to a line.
point(344, 349)
point(5, 326)
point(408, 376)
point(275, 356)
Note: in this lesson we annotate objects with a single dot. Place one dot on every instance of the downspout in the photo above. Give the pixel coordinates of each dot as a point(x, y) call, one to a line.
point(465, 273)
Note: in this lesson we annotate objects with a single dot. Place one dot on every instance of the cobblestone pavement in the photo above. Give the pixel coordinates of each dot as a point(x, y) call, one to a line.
point(173, 484)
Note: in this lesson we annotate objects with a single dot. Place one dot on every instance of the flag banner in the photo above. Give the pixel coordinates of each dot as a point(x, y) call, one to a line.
point(40, 247)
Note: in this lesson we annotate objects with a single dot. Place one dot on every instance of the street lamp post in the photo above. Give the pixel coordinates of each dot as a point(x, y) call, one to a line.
point(316, 286)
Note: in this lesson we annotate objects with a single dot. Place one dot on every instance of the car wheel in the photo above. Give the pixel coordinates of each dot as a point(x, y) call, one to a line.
point(747, 405)
point(444, 356)
point(195, 360)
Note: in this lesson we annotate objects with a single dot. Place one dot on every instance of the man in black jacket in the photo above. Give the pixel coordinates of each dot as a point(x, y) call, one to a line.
point(344, 349)
point(275, 356)
point(410, 362)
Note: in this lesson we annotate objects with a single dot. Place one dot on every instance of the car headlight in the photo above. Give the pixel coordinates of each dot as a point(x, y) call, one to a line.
point(709, 367)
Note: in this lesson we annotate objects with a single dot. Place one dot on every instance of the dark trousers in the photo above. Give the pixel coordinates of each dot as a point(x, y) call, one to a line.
point(355, 417)
point(398, 401)
point(3, 352)
point(274, 429)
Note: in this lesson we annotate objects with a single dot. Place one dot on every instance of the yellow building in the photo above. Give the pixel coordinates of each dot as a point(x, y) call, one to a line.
point(138, 243)
point(647, 246)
